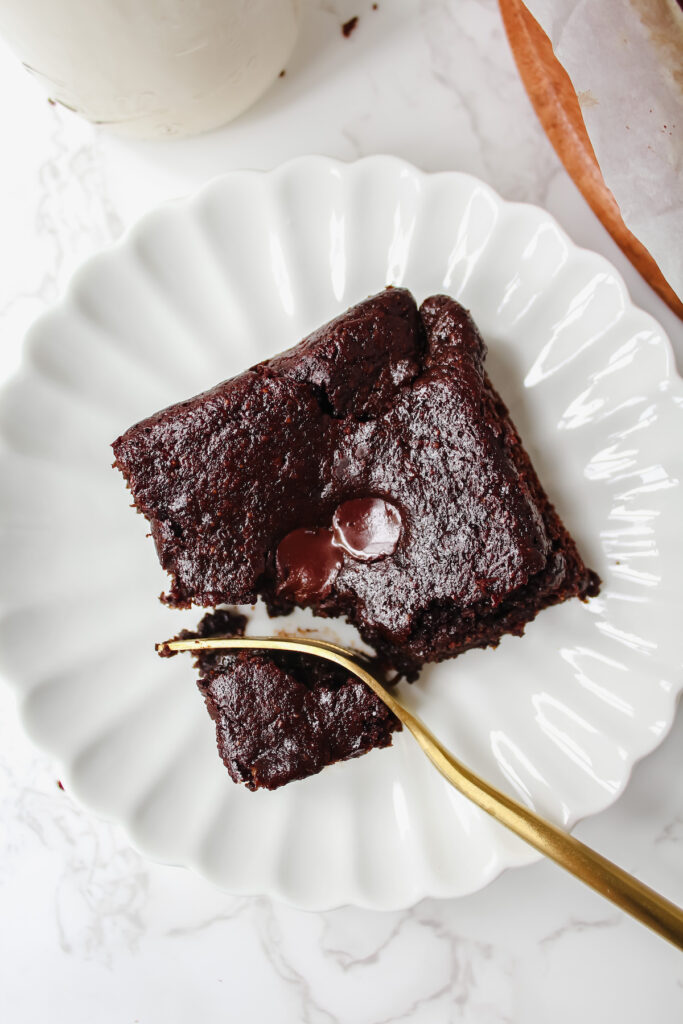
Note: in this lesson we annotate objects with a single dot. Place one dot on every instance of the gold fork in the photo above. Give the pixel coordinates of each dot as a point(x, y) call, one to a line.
point(625, 891)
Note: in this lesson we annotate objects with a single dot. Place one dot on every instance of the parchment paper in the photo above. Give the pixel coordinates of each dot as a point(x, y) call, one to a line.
point(625, 60)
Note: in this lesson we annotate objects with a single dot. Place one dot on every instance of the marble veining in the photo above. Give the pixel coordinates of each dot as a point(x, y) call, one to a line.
point(93, 931)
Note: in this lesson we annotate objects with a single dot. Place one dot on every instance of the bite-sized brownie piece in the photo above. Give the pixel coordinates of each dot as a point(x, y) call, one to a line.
point(281, 716)
point(372, 472)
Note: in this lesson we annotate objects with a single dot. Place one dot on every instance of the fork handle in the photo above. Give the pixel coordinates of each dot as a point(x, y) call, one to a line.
point(615, 884)
point(602, 875)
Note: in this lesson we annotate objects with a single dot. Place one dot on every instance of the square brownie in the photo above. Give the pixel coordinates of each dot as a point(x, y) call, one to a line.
point(283, 716)
point(370, 472)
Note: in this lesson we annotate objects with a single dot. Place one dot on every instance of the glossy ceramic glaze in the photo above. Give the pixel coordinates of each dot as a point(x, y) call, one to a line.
point(205, 287)
point(153, 70)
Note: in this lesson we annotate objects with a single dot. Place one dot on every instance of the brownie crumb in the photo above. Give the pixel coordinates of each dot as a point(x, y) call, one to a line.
point(282, 73)
point(349, 26)
point(221, 622)
point(280, 715)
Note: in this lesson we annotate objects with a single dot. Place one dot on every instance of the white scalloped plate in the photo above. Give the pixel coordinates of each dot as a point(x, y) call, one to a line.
point(205, 287)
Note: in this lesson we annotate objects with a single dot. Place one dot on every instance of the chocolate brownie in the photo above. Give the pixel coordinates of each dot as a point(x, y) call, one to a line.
point(281, 716)
point(370, 472)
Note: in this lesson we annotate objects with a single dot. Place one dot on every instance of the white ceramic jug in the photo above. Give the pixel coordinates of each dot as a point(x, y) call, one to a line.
point(153, 68)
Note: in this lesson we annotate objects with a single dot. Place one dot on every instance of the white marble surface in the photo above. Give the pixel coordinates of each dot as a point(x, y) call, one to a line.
point(91, 931)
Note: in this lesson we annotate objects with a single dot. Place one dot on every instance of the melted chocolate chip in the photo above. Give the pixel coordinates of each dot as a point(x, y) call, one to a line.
point(367, 528)
point(307, 564)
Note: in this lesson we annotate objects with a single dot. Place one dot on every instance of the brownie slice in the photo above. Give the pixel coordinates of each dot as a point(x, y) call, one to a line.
point(371, 472)
point(281, 716)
